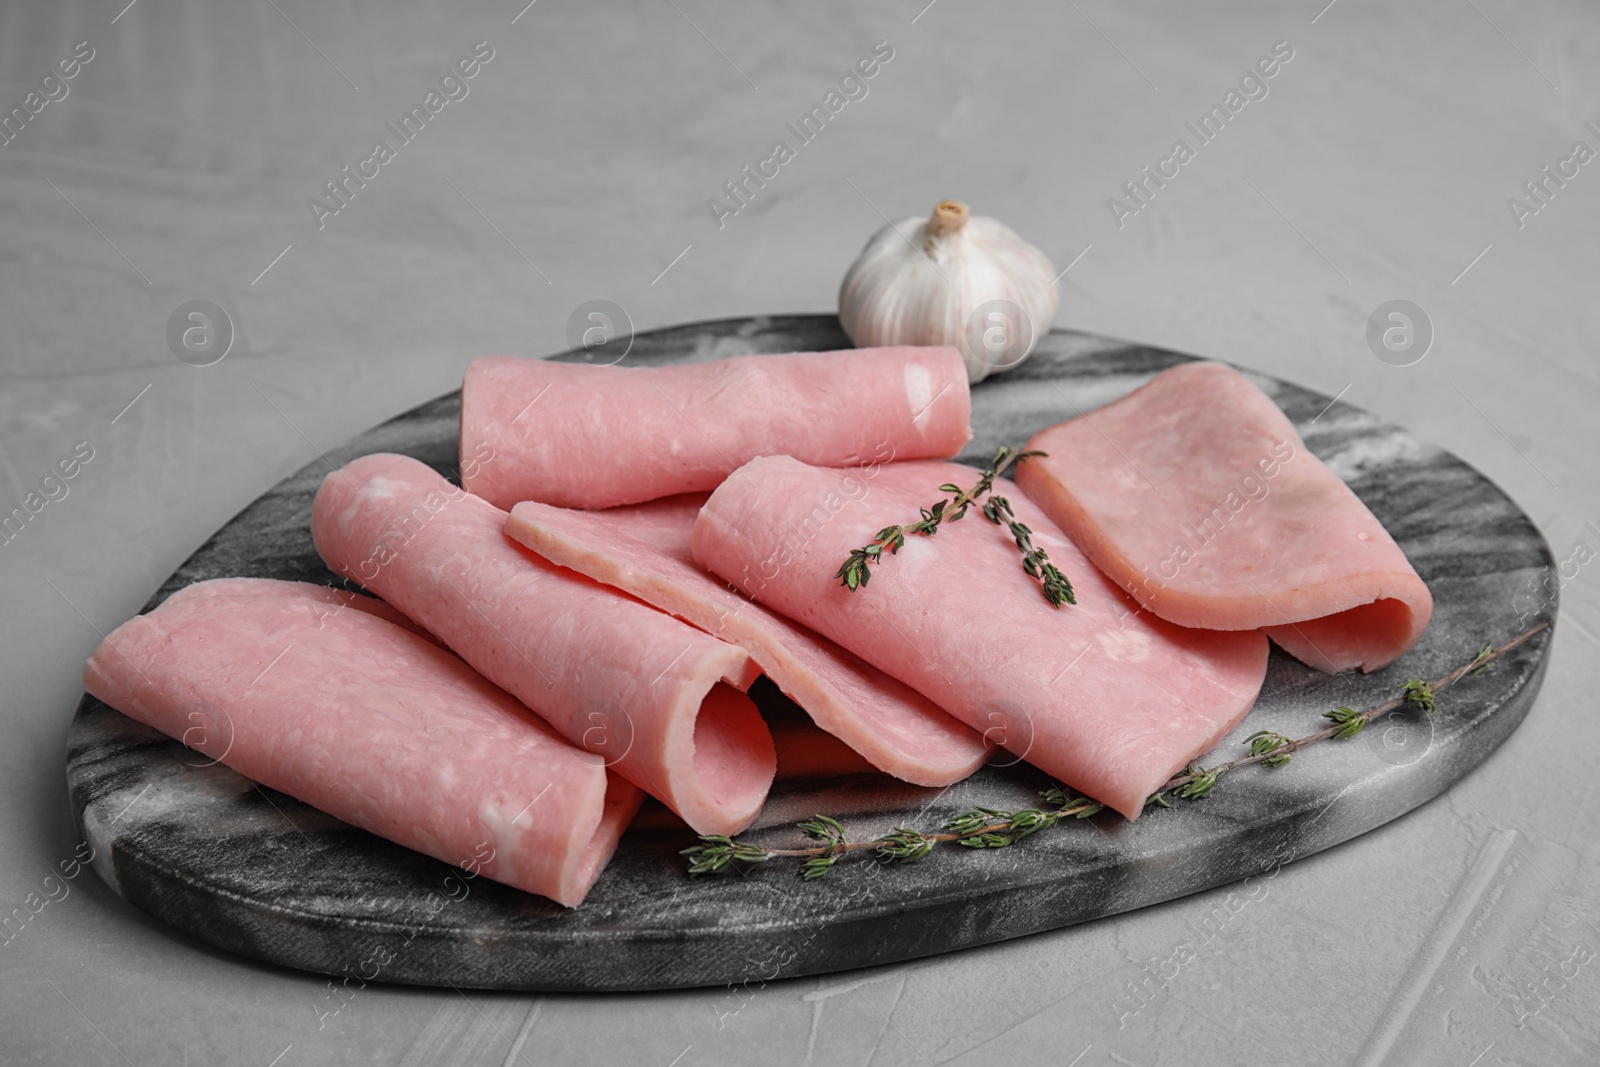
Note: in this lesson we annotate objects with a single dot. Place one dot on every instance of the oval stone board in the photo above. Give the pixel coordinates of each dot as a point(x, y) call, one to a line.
point(256, 872)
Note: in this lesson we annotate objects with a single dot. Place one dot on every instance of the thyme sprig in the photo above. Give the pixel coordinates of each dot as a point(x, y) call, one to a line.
point(856, 571)
point(1348, 722)
point(974, 828)
point(988, 828)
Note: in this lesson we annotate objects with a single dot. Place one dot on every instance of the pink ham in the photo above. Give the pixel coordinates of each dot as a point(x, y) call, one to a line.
point(646, 550)
point(805, 751)
point(335, 598)
point(1197, 496)
point(1108, 699)
point(593, 437)
point(371, 723)
point(659, 699)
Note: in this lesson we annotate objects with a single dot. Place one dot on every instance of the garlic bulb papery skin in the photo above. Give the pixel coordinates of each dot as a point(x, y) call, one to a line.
point(951, 279)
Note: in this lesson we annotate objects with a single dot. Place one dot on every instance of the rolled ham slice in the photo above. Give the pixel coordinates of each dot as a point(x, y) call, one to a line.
point(647, 550)
point(660, 700)
point(371, 723)
point(1197, 496)
point(593, 437)
point(1110, 700)
point(335, 598)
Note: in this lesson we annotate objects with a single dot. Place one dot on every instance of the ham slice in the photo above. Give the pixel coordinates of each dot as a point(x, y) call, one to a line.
point(592, 437)
point(660, 700)
point(1108, 699)
point(805, 750)
point(366, 720)
point(646, 550)
point(1197, 496)
point(334, 597)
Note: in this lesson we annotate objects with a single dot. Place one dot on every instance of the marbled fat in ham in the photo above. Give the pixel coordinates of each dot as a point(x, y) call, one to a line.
point(659, 699)
point(1109, 699)
point(592, 437)
point(319, 694)
point(646, 550)
point(1197, 496)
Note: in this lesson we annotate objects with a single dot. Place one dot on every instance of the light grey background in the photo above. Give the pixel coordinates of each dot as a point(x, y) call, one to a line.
point(579, 167)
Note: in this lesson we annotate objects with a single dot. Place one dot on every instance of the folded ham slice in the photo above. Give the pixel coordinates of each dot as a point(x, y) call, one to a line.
point(660, 700)
point(1197, 496)
point(806, 751)
point(592, 437)
point(1110, 700)
point(647, 550)
point(371, 723)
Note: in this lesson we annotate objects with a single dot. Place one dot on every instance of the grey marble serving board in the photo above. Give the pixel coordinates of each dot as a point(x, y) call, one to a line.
point(256, 872)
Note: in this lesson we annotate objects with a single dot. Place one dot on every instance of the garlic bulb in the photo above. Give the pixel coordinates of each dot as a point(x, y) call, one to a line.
point(954, 279)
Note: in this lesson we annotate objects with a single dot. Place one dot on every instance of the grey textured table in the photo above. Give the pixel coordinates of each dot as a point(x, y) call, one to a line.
point(178, 164)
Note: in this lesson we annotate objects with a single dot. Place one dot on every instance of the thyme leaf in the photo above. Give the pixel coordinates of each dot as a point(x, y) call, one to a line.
point(905, 846)
point(717, 852)
point(1349, 720)
point(1199, 781)
point(1420, 694)
point(828, 830)
point(1266, 743)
